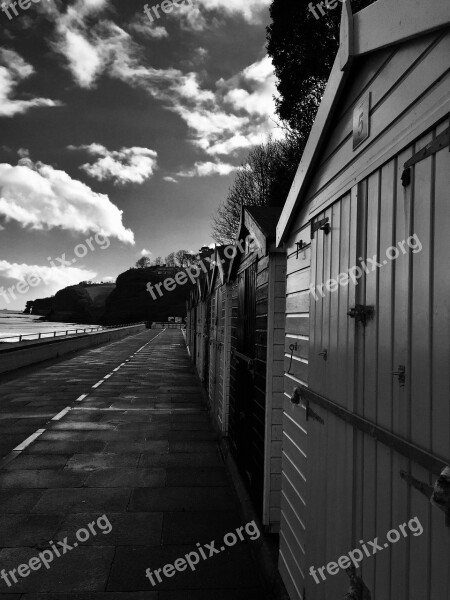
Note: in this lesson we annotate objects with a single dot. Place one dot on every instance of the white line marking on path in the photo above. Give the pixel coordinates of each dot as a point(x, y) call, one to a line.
point(61, 414)
point(29, 440)
point(18, 449)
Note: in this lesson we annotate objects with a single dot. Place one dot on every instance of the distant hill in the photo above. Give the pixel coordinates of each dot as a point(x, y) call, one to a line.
point(131, 301)
point(82, 303)
point(126, 301)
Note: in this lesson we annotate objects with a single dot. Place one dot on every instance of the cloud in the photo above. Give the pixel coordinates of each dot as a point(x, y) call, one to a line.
point(147, 29)
point(199, 15)
point(145, 252)
point(53, 277)
point(109, 279)
point(170, 179)
point(206, 169)
point(42, 198)
point(13, 69)
point(237, 114)
point(127, 165)
point(250, 10)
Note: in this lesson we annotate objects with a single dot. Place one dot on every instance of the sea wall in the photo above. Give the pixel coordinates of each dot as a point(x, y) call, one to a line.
point(13, 356)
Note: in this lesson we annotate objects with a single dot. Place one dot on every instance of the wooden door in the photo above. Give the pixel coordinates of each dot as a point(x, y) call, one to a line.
point(390, 372)
point(330, 446)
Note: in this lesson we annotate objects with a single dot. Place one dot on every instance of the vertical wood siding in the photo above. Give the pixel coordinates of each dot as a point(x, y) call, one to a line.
point(339, 485)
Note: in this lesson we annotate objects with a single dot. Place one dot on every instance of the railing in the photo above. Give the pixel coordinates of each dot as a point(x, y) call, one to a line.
point(168, 325)
point(62, 333)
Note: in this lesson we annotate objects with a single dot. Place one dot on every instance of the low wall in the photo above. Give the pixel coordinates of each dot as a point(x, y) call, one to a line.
point(13, 358)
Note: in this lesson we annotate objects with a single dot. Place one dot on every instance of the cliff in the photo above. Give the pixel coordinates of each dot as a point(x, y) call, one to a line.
point(81, 303)
point(131, 302)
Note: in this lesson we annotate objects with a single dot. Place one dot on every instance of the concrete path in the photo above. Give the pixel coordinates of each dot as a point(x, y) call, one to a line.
point(128, 478)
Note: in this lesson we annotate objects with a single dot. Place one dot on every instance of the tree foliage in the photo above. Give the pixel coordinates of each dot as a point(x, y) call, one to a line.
point(263, 180)
point(143, 262)
point(303, 49)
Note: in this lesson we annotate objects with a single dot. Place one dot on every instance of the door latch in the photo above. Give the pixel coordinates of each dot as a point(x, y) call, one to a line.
point(300, 245)
point(401, 374)
point(361, 313)
point(323, 354)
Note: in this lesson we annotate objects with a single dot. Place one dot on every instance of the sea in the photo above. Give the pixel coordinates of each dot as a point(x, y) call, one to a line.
point(13, 324)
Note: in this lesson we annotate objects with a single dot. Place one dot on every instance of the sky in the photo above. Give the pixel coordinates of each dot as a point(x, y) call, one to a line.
point(121, 130)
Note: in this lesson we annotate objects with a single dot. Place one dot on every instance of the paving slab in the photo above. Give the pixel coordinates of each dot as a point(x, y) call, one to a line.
point(136, 455)
point(198, 477)
point(82, 569)
point(28, 529)
point(132, 478)
point(226, 570)
point(82, 500)
point(128, 529)
point(182, 498)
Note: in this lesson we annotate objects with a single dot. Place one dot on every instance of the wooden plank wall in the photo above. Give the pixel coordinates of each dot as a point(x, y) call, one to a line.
point(233, 345)
point(274, 390)
point(226, 363)
point(292, 560)
point(410, 88)
point(408, 84)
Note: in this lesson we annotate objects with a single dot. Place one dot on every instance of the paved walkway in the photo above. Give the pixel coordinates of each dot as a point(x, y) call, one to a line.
point(139, 449)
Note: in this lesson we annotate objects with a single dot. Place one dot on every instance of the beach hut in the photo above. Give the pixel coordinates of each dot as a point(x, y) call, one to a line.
point(257, 283)
point(366, 409)
point(220, 337)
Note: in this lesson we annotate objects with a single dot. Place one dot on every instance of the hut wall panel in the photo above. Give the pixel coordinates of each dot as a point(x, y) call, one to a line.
point(277, 304)
point(406, 89)
point(294, 445)
point(411, 299)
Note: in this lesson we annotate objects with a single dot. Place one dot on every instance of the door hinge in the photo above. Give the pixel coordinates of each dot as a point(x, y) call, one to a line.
point(323, 225)
point(439, 143)
point(401, 374)
point(361, 313)
point(310, 414)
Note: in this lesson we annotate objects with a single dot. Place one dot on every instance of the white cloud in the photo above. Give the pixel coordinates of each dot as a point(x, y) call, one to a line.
point(40, 197)
point(206, 169)
point(13, 69)
point(260, 80)
point(170, 179)
point(145, 252)
point(53, 277)
point(147, 29)
point(237, 114)
point(127, 165)
point(249, 10)
point(198, 15)
point(108, 279)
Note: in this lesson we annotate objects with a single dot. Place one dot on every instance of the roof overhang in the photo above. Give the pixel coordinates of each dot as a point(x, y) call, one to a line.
point(382, 24)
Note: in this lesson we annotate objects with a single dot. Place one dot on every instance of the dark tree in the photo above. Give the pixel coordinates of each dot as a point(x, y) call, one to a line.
point(143, 262)
point(303, 46)
point(264, 180)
